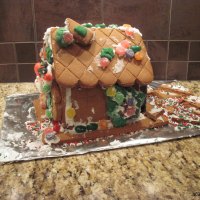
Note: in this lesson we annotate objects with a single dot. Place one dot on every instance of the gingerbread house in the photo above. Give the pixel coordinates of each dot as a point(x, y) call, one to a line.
point(92, 79)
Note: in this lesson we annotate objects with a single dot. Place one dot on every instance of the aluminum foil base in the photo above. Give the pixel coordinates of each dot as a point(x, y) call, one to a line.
point(17, 144)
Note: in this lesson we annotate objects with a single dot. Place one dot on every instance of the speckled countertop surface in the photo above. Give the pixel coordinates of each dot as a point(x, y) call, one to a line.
point(169, 170)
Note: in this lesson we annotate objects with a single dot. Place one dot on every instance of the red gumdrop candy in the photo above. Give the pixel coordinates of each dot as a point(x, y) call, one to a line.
point(36, 67)
point(47, 77)
point(104, 62)
point(125, 43)
point(56, 127)
point(120, 51)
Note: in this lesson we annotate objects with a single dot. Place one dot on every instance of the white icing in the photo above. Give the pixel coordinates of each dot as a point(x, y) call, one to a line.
point(156, 110)
point(161, 118)
point(168, 93)
point(133, 29)
point(90, 69)
point(38, 84)
point(176, 87)
point(67, 106)
point(119, 66)
point(97, 59)
point(47, 37)
point(76, 106)
point(92, 110)
point(115, 142)
point(193, 99)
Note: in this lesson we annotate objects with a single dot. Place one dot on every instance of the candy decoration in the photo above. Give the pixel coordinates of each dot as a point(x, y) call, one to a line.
point(48, 77)
point(129, 53)
point(50, 136)
point(92, 127)
point(42, 70)
point(108, 53)
point(80, 129)
point(48, 101)
point(87, 25)
point(130, 101)
point(136, 48)
point(126, 25)
point(56, 127)
point(111, 92)
point(37, 66)
point(118, 121)
point(81, 30)
point(49, 55)
point(63, 37)
point(138, 56)
point(68, 37)
point(120, 51)
point(129, 32)
point(113, 26)
point(125, 43)
point(104, 62)
point(47, 131)
point(46, 88)
point(119, 98)
point(48, 113)
point(130, 111)
point(43, 101)
point(103, 124)
point(71, 113)
point(100, 25)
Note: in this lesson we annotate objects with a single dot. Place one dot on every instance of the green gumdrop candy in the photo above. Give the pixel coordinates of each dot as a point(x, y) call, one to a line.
point(80, 129)
point(108, 53)
point(119, 98)
point(81, 30)
point(118, 121)
point(59, 37)
point(113, 26)
point(111, 105)
point(46, 88)
point(136, 48)
point(100, 25)
point(48, 101)
point(49, 114)
point(88, 25)
point(92, 127)
point(49, 55)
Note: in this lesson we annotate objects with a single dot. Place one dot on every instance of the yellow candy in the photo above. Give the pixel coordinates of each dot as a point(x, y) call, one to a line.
point(71, 113)
point(111, 92)
point(126, 25)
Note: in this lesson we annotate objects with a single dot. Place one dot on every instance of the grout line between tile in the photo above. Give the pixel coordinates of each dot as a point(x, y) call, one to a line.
point(168, 43)
point(148, 40)
point(188, 58)
point(34, 28)
point(154, 61)
point(102, 11)
point(16, 63)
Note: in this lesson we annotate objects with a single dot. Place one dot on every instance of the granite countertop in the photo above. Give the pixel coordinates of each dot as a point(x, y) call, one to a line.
point(169, 170)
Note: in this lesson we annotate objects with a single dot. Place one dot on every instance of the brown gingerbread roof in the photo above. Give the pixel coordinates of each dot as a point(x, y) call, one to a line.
point(77, 64)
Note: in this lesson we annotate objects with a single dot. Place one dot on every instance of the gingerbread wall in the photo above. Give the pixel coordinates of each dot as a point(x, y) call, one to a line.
point(171, 30)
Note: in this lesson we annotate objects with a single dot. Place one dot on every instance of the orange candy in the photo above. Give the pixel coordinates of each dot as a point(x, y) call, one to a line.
point(103, 125)
point(138, 56)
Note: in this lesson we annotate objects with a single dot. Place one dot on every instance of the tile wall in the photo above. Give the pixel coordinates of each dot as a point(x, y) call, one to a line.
point(171, 30)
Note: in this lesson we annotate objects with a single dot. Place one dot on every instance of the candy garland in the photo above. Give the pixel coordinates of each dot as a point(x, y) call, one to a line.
point(123, 104)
